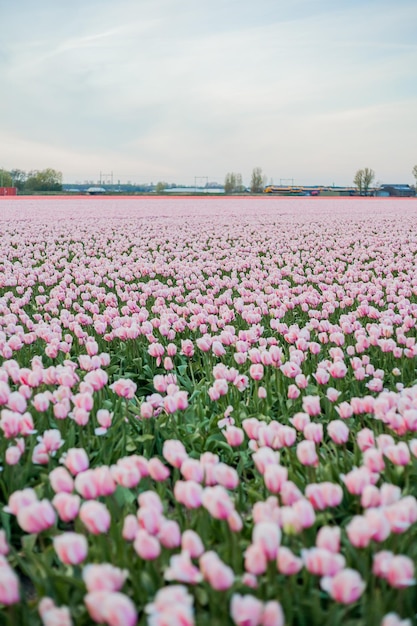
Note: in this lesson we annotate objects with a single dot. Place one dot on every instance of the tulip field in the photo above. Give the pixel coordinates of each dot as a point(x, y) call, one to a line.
point(208, 411)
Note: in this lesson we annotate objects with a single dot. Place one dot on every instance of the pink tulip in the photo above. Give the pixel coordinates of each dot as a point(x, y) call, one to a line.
point(174, 452)
point(36, 517)
point(389, 494)
point(256, 371)
point(217, 502)
point(12, 456)
point(112, 608)
point(9, 585)
point(311, 405)
point(400, 572)
point(322, 376)
point(52, 615)
point(398, 454)
point(370, 497)
point(192, 469)
point(251, 427)
point(293, 392)
point(66, 505)
point(173, 605)
point(234, 436)
point(226, 476)
point(150, 499)
point(169, 534)
point(20, 499)
point(104, 418)
point(124, 388)
point(359, 531)
point(275, 476)
point(146, 546)
point(94, 602)
point(313, 432)
point(181, 569)
point(71, 548)
point(332, 394)
point(345, 410)
point(304, 511)
point(328, 538)
point(219, 575)
point(300, 421)
point(41, 402)
point(130, 527)
point(287, 563)
point(192, 543)
point(267, 535)
point(357, 479)
point(338, 431)
point(157, 470)
point(235, 522)
point(262, 393)
point(150, 518)
point(345, 587)
point(306, 453)
point(338, 369)
point(146, 410)
point(381, 562)
point(189, 493)
point(246, 610)
point(17, 402)
point(373, 460)
point(95, 482)
point(95, 517)
point(273, 615)
point(322, 562)
point(76, 460)
point(103, 577)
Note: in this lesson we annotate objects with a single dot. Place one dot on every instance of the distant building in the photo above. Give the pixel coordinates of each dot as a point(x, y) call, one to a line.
point(404, 191)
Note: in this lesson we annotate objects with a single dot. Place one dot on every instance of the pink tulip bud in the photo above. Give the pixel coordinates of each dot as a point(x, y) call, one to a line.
point(345, 587)
point(71, 548)
point(95, 517)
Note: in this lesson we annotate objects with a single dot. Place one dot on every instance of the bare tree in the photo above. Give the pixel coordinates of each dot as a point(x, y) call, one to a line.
point(257, 180)
point(415, 173)
point(363, 180)
point(239, 183)
point(233, 182)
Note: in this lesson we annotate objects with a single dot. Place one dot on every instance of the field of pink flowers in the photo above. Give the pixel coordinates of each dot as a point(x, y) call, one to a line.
point(208, 412)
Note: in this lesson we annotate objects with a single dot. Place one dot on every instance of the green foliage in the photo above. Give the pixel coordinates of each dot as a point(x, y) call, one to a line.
point(161, 186)
point(5, 179)
point(44, 180)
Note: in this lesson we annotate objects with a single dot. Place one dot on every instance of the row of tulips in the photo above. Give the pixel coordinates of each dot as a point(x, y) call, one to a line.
point(208, 416)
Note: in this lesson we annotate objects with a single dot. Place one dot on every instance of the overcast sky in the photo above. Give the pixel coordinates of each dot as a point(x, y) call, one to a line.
point(309, 90)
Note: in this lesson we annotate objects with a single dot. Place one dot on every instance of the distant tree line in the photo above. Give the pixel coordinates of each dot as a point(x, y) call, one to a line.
point(35, 180)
